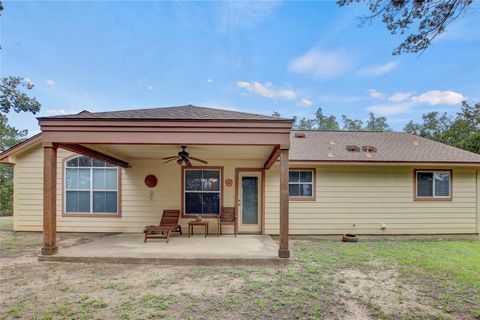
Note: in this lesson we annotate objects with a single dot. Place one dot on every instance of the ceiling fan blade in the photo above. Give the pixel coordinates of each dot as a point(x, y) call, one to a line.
point(199, 160)
point(169, 158)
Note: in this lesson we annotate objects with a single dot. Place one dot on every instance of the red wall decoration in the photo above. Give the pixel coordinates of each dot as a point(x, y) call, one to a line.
point(151, 181)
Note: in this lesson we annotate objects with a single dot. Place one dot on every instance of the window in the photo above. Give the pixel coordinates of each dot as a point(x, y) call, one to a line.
point(202, 191)
point(433, 184)
point(301, 184)
point(91, 186)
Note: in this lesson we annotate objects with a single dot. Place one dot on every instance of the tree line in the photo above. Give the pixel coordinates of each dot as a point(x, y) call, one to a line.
point(461, 131)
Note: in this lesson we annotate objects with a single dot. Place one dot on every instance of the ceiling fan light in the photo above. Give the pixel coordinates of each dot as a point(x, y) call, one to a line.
point(180, 161)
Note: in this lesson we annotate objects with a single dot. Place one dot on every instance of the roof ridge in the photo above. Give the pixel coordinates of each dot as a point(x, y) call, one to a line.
point(173, 112)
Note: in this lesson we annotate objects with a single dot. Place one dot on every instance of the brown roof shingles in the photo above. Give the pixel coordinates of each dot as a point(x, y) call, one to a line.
point(188, 112)
point(391, 147)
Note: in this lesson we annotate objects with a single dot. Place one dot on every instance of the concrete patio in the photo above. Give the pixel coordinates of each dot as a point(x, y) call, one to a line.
point(130, 248)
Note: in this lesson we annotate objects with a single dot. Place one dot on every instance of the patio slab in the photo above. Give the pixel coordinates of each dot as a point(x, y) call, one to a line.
point(130, 248)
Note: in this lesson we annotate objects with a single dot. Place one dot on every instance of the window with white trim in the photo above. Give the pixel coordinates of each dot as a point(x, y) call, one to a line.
point(300, 183)
point(202, 191)
point(91, 186)
point(433, 184)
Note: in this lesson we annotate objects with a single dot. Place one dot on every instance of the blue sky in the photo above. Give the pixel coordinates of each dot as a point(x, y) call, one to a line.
point(290, 57)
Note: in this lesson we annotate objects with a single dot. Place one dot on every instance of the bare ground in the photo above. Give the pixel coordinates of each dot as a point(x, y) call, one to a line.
point(309, 288)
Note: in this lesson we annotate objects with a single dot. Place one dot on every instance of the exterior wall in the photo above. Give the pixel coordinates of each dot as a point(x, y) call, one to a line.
point(369, 196)
point(140, 205)
point(478, 201)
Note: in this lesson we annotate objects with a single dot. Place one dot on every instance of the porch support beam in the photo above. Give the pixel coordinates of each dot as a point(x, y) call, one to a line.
point(77, 148)
point(49, 199)
point(283, 251)
point(273, 157)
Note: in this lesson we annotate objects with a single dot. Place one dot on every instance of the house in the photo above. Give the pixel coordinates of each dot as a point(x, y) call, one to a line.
point(87, 172)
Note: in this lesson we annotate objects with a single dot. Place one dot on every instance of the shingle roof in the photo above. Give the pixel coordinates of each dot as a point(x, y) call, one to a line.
point(391, 147)
point(188, 112)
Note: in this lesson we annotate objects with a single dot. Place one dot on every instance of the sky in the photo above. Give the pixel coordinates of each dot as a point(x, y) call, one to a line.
point(260, 57)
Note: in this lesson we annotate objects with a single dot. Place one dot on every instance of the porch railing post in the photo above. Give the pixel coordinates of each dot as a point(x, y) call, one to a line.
point(49, 199)
point(283, 251)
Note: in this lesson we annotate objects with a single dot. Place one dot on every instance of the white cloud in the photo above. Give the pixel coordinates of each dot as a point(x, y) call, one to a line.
point(150, 87)
point(50, 82)
point(372, 93)
point(390, 108)
point(436, 97)
point(305, 102)
point(320, 64)
point(209, 81)
point(56, 112)
point(267, 90)
point(400, 96)
point(377, 70)
point(402, 102)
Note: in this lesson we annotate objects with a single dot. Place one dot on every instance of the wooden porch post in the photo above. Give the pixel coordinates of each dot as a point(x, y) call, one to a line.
point(283, 251)
point(49, 199)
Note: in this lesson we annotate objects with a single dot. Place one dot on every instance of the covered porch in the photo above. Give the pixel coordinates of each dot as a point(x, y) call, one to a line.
point(137, 148)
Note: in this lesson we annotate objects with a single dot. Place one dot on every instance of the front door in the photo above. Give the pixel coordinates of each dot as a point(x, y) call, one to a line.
point(249, 188)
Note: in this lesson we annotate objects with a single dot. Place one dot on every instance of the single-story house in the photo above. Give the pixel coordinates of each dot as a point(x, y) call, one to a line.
point(87, 172)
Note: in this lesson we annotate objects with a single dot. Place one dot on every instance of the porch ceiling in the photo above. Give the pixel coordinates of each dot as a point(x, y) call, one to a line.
point(207, 152)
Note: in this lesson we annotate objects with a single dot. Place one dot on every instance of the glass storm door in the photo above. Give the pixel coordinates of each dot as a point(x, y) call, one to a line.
point(249, 202)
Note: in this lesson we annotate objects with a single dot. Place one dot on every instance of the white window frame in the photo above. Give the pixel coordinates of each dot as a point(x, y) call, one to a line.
point(312, 183)
point(90, 190)
point(433, 197)
point(220, 184)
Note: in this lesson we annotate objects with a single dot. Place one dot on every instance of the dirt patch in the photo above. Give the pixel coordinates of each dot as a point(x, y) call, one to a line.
point(374, 293)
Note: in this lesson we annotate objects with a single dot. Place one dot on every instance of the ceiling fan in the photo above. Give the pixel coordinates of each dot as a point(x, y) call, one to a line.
point(183, 157)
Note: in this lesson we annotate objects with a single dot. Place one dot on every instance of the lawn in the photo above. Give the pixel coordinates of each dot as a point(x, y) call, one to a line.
point(326, 279)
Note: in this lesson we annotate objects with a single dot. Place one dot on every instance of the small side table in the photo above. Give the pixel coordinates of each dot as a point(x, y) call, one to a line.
point(191, 224)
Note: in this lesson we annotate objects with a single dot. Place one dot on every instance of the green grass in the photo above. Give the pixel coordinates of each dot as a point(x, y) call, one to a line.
point(446, 271)
point(6, 225)
point(445, 275)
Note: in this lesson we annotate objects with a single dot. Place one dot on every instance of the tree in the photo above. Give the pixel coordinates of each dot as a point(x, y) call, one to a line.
point(305, 124)
point(430, 17)
point(324, 122)
point(9, 137)
point(375, 123)
point(463, 131)
point(351, 125)
point(12, 97)
point(434, 126)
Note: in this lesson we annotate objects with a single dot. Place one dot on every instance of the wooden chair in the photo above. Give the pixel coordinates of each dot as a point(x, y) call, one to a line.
point(168, 225)
point(228, 216)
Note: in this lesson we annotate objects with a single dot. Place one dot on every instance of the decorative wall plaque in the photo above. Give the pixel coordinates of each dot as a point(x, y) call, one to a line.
point(151, 181)
point(229, 182)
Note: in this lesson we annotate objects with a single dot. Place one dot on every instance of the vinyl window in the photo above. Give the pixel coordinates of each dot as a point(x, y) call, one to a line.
point(433, 184)
point(301, 184)
point(91, 186)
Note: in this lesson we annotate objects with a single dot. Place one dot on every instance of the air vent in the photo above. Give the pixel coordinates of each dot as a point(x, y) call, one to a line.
point(352, 148)
point(369, 149)
point(299, 134)
point(84, 112)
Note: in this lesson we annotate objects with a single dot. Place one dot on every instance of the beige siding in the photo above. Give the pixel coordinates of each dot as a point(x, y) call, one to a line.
point(141, 206)
point(369, 196)
point(478, 201)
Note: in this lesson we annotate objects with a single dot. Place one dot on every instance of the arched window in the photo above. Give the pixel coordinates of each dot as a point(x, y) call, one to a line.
point(91, 186)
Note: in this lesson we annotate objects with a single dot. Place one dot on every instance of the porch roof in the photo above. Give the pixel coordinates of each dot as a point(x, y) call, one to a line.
point(188, 112)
